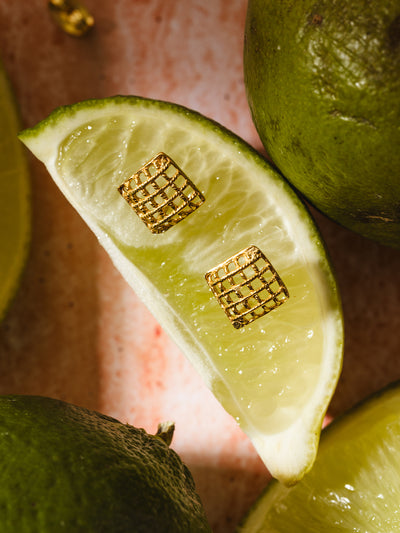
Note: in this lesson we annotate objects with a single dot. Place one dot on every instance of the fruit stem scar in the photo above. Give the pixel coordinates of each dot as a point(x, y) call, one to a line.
point(165, 432)
point(317, 19)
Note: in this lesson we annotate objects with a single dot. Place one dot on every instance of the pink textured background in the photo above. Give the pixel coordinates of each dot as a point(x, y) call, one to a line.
point(75, 330)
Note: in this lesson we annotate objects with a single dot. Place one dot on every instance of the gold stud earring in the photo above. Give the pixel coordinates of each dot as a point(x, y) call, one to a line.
point(247, 286)
point(161, 194)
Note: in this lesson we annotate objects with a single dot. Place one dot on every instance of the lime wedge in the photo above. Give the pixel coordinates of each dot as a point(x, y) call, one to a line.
point(276, 375)
point(354, 484)
point(14, 197)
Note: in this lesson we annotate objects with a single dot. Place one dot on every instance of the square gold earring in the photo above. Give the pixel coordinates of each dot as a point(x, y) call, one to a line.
point(247, 286)
point(161, 194)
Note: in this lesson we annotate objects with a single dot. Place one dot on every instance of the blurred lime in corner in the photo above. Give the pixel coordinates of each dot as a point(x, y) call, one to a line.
point(277, 374)
point(67, 468)
point(354, 484)
point(14, 197)
point(322, 80)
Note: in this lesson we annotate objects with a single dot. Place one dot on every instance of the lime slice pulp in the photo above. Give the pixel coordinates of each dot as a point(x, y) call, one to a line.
point(276, 375)
point(354, 484)
point(14, 197)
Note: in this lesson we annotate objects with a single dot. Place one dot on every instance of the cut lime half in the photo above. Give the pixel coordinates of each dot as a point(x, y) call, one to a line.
point(354, 484)
point(14, 197)
point(276, 375)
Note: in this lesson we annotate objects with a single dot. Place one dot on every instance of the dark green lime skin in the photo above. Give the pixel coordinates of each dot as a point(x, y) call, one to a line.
point(323, 84)
point(66, 469)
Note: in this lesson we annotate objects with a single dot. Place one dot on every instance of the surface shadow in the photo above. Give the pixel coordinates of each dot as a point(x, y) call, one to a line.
point(368, 276)
point(48, 337)
point(232, 487)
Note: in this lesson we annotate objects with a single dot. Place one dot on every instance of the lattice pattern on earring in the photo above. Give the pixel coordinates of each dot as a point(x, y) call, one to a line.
point(161, 194)
point(247, 286)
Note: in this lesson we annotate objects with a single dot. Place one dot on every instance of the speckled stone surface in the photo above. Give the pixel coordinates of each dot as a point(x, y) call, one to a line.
point(75, 330)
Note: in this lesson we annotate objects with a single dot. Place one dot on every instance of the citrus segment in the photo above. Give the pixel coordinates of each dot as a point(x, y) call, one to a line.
point(14, 197)
point(276, 375)
point(354, 484)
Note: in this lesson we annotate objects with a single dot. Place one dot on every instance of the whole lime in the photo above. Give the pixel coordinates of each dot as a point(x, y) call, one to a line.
point(65, 468)
point(323, 84)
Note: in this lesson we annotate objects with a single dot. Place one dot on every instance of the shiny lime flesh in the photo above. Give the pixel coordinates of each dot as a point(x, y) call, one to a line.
point(354, 484)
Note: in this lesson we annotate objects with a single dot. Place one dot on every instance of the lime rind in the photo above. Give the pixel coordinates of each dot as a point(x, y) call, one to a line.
point(67, 140)
point(324, 97)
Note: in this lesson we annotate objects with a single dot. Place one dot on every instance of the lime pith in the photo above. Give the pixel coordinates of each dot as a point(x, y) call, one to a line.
point(275, 376)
